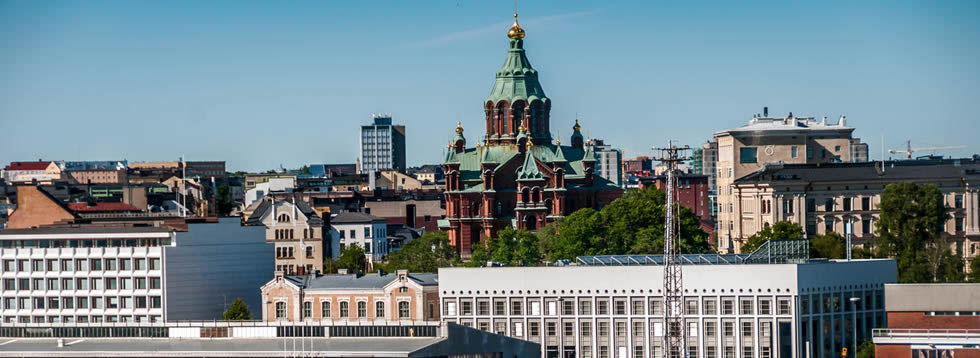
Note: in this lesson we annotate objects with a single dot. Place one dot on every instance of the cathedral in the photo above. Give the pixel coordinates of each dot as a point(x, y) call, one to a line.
point(518, 175)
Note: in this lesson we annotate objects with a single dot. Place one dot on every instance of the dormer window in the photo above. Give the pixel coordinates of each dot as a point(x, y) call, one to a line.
point(283, 218)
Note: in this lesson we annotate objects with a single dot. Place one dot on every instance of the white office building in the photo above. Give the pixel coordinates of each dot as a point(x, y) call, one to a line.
point(735, 305)
point(382, 145)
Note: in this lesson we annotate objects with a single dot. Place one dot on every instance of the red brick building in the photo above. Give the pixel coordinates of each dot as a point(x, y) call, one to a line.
point(930, 320)
point(519, 176)
point(692, 193)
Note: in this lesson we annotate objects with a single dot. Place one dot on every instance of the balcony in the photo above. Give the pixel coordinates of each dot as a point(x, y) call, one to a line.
point(925, 336)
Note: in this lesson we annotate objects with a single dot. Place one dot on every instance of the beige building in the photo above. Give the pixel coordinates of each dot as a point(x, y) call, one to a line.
point(822, 198)
point(99, 176)
point(393, 180)
point(297, 232)
point(343, 297)
point(41, 172)
point(745, 150)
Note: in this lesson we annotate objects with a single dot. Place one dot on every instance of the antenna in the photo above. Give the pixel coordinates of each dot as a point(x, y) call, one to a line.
point(673, 296)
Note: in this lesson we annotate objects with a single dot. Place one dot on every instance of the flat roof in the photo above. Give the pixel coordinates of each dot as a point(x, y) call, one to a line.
point(930, 297)
point(86, 230)
point(333, 347)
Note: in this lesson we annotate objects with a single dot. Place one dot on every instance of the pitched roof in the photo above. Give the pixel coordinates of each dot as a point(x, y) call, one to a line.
point(529, 170)
point(101, 207)
point(353, 217)
point(264, 205)
point(42, 165)
point(369, 281)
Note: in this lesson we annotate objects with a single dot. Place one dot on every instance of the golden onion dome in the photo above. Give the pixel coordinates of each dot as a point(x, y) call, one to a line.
point(576, 126)
point(516, 32)
point(459, 127)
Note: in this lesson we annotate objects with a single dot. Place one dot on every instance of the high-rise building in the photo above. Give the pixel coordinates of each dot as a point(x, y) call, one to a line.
point(609, 161)
point(382, 145)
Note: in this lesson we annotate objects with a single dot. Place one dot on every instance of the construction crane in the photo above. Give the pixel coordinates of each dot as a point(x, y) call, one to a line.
point(673, 295)
point(909, 150)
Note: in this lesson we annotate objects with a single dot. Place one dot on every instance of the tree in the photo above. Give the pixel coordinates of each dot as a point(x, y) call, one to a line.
point(510, 247)
point(351, 258)
point(425, 254)
point(951, 267)
point(238, 311)
point(223, 199)
point(912, 220)
point(830, 246)
point(975, 270)
point(865, 350)
point(780, 231)
point(304, 169)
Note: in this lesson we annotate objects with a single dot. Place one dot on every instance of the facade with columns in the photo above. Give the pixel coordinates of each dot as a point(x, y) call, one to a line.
point(518, 176)
point(823, 198)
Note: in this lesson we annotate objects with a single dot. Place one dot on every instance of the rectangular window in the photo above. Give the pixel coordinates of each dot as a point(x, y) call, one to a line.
point(603, 307)
point(866, 226)
point(110, 264)
point(828, 225)
point(110, 283)
point(784, 306)
point(847, 204)
point(793, 151)
point(765, 307)
point(125, 264)
point(637, 308)
point(154, 283)
point(483, 308)
point(747, 155)
point(340, 234)
point(499, 308)
point(746, 329)
point(710, 328)
point(828, 204)
point(728, 329)
point(692, 307)
point(958, 224)
point(620, 307)
point(809, 152)
point(585, 308)
point(155, 264)
point(865, 204)
point(515, 308)
point(467, 307)
point(727, 306)
point(958, 201)
point(568, 308)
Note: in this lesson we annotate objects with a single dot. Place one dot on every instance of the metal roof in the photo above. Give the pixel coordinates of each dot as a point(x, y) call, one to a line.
point(771, 252)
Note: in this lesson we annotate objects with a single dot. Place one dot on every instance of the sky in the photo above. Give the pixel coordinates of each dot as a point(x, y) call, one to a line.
point(264, 84)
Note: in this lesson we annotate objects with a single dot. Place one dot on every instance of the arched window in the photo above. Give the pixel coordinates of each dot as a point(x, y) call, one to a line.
point(344, 309)
point(280, 310)
point(403, 310)
point(362, 309)
point(309, 251)
point(379, 309)
point(325, 309)
point(283, 218)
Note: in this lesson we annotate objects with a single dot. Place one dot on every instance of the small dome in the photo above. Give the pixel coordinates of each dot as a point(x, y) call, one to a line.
point(576, 127)
point(516, 32)
point(459, 127)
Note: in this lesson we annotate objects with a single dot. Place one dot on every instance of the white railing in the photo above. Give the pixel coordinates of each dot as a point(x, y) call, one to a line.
point(925, 333)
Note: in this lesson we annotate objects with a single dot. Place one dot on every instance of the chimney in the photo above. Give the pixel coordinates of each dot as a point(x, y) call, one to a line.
point(824, 122)
point(843, 121)
point(765, 111)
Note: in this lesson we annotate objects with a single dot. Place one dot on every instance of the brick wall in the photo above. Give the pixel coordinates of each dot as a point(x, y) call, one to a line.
point(923, 321)
point(35, 209)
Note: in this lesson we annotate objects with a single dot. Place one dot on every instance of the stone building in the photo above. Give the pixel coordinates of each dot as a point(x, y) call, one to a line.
point(823, 198)
point(297, 231)
point(518, 176)
point(353, 297)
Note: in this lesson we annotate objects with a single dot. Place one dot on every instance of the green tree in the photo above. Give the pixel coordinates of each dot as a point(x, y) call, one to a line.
point(304, 169)
point(425, 254)
point(510, 247)
point(238, 311)
point(912, 220)
point(829, 246)
point(975, 270)
point(351, 258)
point(779, 231)
point(951, 267)
point(865, 350)
point(223, 199)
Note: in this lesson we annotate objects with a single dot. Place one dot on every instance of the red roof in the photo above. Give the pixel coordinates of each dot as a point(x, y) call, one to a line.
point(28, 166)
point(101, 207)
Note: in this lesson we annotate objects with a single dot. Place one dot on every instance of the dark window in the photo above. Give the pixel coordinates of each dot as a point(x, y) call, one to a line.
point(865, 204)
point(747, 155)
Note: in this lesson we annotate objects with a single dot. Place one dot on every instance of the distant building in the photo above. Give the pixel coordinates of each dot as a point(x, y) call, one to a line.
point(93, 165)
point(791, 140)
point(40, 172)
point(257, 186)
point(382, 145)
point(609, 161)
point(691, 191)
point(100, 176)
point(332, 170)
point(297, 232)
point(414, 213)
point(37, 208)
point(930, 320)
point(199, 169)
point(354, 297)
point(365, 230)
point(393, 180)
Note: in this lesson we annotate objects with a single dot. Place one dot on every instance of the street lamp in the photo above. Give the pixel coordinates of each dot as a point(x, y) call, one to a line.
point(854, 334)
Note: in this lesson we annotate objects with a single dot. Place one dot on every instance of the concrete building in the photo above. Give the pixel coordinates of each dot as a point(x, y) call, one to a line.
point(609, 161)
point(296, 229)
point(791, 140)
point(823, 198)
point(382, 145)
point(40, 172)
point(258, 188)
point(390, 339)
point(393, 180)
point(368, 231)
point(735, 305)
point(99, 176)
point(930, 320)
point(354, 297)
point(414, 213)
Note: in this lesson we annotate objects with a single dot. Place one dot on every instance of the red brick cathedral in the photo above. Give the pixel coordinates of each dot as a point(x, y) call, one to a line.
point(518, 177)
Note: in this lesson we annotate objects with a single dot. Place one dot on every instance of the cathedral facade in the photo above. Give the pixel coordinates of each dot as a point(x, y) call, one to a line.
point(519, 175)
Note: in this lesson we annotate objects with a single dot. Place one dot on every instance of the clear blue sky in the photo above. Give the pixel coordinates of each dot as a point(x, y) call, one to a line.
point(260, 84)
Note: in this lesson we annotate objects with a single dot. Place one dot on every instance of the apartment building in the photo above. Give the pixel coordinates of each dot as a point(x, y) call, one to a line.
point(296, 229)
point(382, 145)
point(609, 161)
point(99, 176)
point(824, 198)
point(365, 230)
point(930, 320)
point(352, 297)
point(83, 275)
point(41, 172)
point(791, 140)
point(736, 305)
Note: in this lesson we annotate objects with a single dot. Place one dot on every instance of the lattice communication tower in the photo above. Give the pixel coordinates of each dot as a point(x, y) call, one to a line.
point(674, 342)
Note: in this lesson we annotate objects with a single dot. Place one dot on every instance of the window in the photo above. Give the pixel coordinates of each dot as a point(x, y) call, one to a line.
point(710, 328)
point(603, 329)
point(958, 224)
point(344, 309)
point(325, 309)
point(793, 151)
point(765, 306)
point(483, 308)
point(154, 264)
point(551, 329)
point(958, 201)
point(82, 283)
point(728, 329)
point(746, 329)
point(710, 307)
point(110, 283)
point(515, 308)
point(353, 234)
point(747, 155)
point(340, 233)
point(727, 306)
point(154, 283)
point(110, 264)
point(784, 308)
point(403, 312)
point(280, 310)
point(837, 148)
point(361, 309)
point(379, 309)
point(692, 307)
point(866, 226)
point(568, 308)
point(620, 307)
point(746, 307)
point(499, 308)
point(637, 308)
point(585, 307)
point(809, 155)
point(367, 232)
point(638, 328)
point(828, 225)
point(620, 329)
point(692, 329)
point(828, 204)
point(603, 307)
point(112, 302)
point(125, 264)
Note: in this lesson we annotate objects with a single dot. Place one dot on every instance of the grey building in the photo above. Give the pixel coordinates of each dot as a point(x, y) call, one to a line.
point(609, 161)
point(382, 145)
point(735, 305)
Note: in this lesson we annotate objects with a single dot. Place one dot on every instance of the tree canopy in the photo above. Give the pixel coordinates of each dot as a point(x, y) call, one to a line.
point(510, 247)
point(238, 311)
point(779, 231)
point(425, 254)
point(829, 246)
point(223, 199)
point(351, 258)
point(975, 270)
point(911, 229)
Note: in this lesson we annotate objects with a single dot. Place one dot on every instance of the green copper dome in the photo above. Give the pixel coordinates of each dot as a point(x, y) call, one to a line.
point(517, 80)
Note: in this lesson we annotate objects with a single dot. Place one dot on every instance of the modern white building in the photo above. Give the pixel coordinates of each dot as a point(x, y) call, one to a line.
point(735, 305)
point(368, 231)
point(382, 145)
point(272, 185)
point(83, 275)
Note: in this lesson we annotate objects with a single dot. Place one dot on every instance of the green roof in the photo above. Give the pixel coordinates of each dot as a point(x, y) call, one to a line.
point(517, 80)
point(529, 171)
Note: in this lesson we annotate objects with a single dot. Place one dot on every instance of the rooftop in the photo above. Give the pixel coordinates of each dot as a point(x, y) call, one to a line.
point(39, 165)
point(101, 207)
point(789, 123)
point(900, 170)
point(84, 230)
point(353, 217)
point(771, 252)
point(360, 281)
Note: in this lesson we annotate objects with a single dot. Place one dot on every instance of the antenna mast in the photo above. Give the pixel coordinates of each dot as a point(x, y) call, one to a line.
point(674, 342)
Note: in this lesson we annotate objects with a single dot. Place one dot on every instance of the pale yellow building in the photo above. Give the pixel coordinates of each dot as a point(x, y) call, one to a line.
point(296, 229)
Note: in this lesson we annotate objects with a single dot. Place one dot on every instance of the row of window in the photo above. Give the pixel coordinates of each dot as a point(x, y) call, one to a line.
point(82, 302)
point(71, 265)
point(404, 308)
point(353, 233)
point(286, 252)
point(62, 243)
point(709, 306)
point(710, 328)
point(81, 319)
point(80, 283)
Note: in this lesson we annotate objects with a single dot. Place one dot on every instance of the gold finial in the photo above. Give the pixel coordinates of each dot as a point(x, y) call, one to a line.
point(530, 144)
point(576, 126)
point(522, 128)
point(558, 141)
point(459, 127)
point(516, 32)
